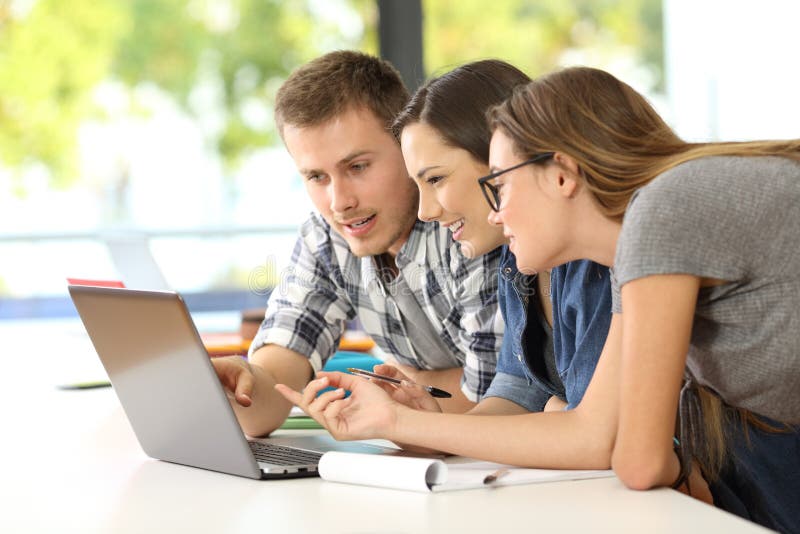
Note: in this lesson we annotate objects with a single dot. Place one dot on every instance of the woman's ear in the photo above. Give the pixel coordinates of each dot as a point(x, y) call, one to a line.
point(568, 178)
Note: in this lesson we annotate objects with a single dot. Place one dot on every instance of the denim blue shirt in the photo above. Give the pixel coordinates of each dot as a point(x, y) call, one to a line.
point(581, 298)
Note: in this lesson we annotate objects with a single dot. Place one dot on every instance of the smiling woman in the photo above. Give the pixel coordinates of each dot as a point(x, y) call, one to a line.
point(445, 146)
point(444, 175)
point(445, 140)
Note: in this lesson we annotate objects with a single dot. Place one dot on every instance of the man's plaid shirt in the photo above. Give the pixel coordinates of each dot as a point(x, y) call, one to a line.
point(326, 285)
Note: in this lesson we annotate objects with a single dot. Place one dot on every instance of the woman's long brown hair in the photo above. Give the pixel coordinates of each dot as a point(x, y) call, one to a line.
point(612, 132)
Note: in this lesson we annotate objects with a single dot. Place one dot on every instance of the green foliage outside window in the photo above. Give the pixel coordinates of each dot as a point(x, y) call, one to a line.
point(535, 35)
point(55, 53)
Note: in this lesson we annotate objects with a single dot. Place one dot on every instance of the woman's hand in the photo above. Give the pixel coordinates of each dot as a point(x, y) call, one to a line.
point(369, 412)
point(408, 393)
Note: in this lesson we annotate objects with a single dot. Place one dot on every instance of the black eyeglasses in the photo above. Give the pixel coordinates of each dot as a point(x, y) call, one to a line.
point(492, 193)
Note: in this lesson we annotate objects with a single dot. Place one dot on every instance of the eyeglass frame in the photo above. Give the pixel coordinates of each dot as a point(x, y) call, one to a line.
point(492, 193)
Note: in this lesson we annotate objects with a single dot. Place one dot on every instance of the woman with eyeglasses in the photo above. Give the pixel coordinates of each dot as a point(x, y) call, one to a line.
point(704, 241)
point(549, 352)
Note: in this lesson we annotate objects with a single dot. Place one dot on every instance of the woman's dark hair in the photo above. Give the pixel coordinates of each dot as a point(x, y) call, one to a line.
point(455, 104)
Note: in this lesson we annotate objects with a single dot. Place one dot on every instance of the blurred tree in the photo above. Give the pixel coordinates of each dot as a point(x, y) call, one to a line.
point(54, 53)
point(50, 59)
point(236, 46)
point(535, 35)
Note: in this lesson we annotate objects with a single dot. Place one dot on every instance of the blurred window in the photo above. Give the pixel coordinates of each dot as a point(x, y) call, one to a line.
point(151, 120)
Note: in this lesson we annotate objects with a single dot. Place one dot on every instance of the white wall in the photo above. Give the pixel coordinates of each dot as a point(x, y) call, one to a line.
point(733, 68)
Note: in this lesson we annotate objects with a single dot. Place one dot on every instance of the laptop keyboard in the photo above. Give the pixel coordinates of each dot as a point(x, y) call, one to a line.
point(280, 455)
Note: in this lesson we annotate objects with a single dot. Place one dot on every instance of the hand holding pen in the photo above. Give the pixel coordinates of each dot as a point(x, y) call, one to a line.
point(434, 392)
point(407, 392)
point(371, 409)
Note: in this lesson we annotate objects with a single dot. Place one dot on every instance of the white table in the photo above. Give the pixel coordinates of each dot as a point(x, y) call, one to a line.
point(71, 463)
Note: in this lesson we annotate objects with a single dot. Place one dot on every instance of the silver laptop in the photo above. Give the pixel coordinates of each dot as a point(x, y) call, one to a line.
point(170, 392)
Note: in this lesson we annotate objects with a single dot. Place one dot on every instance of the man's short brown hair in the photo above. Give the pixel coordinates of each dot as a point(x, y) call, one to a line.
point(337, 82)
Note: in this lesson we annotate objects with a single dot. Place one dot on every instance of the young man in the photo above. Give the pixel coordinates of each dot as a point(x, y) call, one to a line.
point(364, 254)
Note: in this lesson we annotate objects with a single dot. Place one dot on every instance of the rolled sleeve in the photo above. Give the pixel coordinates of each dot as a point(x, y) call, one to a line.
point(306, 313)
point(518, 390)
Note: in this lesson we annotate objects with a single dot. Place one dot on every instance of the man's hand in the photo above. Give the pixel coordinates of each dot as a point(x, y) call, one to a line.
point(250, 385)
point(237, 378)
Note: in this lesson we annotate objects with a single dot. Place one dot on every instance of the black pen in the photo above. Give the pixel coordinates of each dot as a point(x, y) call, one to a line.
point(86, 385)
point(435, 392)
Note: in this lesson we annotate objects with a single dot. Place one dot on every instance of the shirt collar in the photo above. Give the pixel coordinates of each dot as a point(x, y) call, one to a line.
point(508, 264)
point(413, 249)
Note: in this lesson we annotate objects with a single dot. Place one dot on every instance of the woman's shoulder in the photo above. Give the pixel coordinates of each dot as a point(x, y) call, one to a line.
point(689, 177)
point(680, 191)
point(718, 176)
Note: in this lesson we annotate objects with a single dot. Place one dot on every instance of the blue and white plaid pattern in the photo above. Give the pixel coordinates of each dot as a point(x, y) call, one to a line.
point(327, 285)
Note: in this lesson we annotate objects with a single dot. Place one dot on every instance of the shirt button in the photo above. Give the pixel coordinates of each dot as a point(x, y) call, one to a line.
point(507, 270)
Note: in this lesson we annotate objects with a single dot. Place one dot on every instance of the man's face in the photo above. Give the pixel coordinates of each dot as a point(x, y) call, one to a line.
point(354, 173)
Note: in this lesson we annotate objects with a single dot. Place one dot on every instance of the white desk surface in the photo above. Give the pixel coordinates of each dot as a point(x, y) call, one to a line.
point(71, 463)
